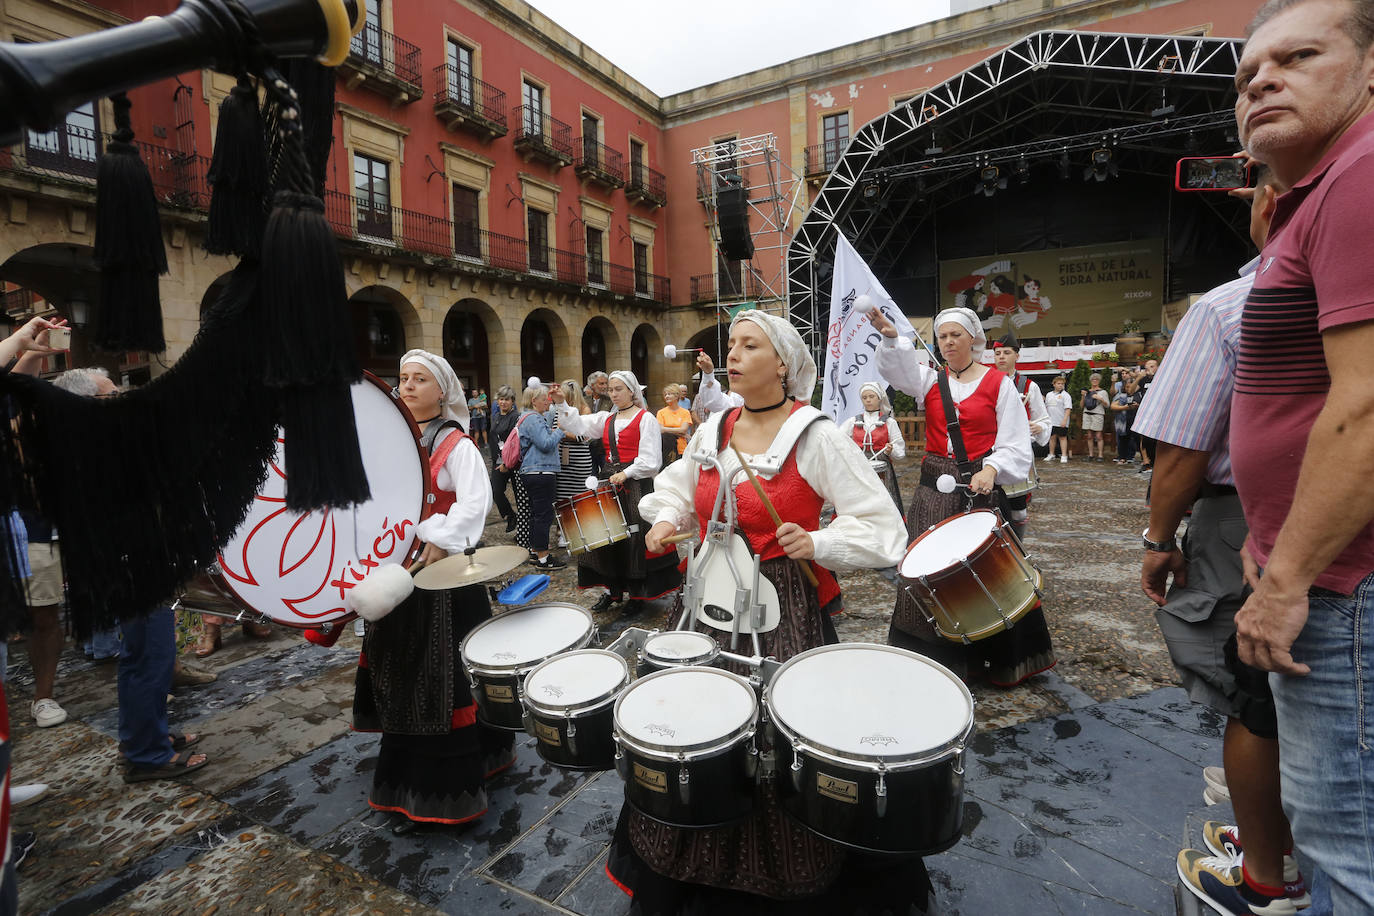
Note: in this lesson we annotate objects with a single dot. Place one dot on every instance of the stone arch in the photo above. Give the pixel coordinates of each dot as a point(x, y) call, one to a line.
point(472, 334)
point(382, 321)
point(646, 357)
point(602, 349)
point(712, 339)
point(545, 346)
point(62, 276)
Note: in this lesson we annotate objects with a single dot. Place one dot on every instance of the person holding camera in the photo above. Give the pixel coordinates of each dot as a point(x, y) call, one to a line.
point(1094, 403)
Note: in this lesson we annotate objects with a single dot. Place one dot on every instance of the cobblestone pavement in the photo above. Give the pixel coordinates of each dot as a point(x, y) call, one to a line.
point(278, 822)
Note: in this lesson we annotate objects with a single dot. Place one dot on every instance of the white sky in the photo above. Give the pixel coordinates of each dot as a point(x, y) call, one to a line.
point(674, 45)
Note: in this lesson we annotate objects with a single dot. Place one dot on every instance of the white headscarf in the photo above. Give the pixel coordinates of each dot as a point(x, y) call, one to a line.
point(453, 405)
point(632, 383)
point(884, 405)
point(801, 368)
point(967, 320)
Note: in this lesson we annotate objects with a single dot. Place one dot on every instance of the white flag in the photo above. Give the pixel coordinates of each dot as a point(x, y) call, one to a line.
point(850, 338)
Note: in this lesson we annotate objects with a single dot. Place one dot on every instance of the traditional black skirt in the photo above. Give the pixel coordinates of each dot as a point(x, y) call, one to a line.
point(623, 568)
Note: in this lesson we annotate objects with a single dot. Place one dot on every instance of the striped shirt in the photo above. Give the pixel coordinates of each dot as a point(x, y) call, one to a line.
point(1190, 399)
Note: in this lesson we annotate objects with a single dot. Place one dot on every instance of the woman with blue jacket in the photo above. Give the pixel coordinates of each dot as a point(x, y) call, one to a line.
point(539, 464)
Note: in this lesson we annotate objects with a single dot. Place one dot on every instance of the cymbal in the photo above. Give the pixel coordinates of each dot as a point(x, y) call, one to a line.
point(461, 569)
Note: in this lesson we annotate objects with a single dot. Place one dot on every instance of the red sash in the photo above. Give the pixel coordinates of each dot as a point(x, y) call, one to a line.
point(443, 499)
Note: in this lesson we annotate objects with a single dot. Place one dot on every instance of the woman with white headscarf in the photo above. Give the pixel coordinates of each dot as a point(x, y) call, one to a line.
point(632, 448)
point(996, 434)
point(434, 757)
point(768, 863)
point(878, 435)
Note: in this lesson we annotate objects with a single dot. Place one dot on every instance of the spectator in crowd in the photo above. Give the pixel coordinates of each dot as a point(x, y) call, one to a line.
point(539, 464)
point(676, 423)
point(502, 422)
point(1093, 401)
point(1058, 403)
point(574, 454)
point(477, 413)
point(1123, 409)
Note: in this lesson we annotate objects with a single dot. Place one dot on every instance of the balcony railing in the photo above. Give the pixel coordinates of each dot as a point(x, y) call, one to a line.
point(821, 158)
point(387, 55)
point(732, 287)
point(464, 102)
point(543, 137)
point(178, 179)
point(647, 185)
point(599, 163)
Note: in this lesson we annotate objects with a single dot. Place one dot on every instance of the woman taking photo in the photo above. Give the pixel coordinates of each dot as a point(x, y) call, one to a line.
point(996, 437)
point(434, 758)
point(768, 863)
point(630, 440)
point(878, 435)
point(539, 464)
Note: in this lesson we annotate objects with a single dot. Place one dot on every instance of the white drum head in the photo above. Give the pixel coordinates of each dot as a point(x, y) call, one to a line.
point(952, 540)
point(519, 638)
point(576, 679)
point(679, 645)
point(685, 707)
point(297, 569)
point(861, 700)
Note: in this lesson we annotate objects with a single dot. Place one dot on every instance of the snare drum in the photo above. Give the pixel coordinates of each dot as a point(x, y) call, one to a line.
point(677, 649)
point(297, 569)
point(570, 700)
point(592, 519)
point(870, 746)
point(499, 653)
point(685, 746)
point(970, 576)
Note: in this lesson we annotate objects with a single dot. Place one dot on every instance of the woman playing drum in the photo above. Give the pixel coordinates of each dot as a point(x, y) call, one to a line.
point(768, 863)
point(434, 758)
point(632, 447)
point(996, 435)
point(877, 433)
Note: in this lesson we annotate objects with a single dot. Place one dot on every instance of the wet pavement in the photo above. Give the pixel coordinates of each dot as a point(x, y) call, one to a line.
point(1078, 789)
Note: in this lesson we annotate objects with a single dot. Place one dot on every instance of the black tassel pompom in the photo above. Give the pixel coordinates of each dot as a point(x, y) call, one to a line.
point(316, 476)
point(128, 242)
point(238, 175)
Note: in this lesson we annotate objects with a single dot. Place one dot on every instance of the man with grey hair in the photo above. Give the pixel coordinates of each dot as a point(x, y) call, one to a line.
point(599, 401)
point(1302, 422)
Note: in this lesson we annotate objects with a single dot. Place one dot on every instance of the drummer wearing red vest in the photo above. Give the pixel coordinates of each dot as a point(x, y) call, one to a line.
point(996, 439)
point(435, 757)
point(769, 863)
point(632, 446)
point(878, 435)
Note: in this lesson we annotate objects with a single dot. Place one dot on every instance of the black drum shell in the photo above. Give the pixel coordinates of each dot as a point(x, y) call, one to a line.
point(720, 785)
point(498, 699)
point(924, 813)
point(591, 747)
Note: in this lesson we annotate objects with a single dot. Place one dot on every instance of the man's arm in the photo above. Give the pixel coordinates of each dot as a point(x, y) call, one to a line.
point(1333, 502)
point(1179, 472)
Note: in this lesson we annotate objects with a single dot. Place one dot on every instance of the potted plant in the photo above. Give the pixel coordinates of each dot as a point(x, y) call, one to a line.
point(1129, 342)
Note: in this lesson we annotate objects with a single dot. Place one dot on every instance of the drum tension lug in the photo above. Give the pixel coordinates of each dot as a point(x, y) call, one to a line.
point(796, 767)
point(882, 794)
point(684, 788)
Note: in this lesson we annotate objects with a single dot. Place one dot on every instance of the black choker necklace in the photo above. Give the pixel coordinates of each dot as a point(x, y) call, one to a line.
point(430, 420)
point(959, 372)
point(784, 400)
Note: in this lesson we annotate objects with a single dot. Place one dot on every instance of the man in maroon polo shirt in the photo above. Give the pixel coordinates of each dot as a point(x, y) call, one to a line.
point(1302, 422)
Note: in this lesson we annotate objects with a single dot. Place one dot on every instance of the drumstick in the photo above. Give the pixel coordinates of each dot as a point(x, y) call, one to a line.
point(773, 513)
point(679, 538)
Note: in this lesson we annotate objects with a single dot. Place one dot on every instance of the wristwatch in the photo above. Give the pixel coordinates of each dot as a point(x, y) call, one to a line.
point(1158, 546)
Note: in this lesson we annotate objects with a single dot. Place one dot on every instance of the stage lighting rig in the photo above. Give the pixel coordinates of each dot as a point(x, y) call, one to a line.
point(1022, 170)
point(1102, 166)
point(990, 180)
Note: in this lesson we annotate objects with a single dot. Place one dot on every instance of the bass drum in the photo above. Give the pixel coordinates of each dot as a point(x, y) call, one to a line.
point(869, 743)
point(297, 569)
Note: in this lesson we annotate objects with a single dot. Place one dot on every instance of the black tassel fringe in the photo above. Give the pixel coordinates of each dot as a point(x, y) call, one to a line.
point(238, 175)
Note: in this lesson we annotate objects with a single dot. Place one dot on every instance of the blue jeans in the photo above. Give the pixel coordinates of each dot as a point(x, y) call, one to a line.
point(1326, 743)
point(104, 644)
point(145, 675)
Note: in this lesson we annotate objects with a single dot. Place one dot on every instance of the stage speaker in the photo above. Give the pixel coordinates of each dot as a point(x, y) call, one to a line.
point(732, 212)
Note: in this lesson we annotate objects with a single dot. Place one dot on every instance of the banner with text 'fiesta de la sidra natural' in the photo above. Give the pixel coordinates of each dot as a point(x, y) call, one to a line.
point(1060, 292)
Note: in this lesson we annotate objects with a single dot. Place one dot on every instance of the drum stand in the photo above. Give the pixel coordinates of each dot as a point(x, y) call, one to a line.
point(718, 535)
point(630, 644)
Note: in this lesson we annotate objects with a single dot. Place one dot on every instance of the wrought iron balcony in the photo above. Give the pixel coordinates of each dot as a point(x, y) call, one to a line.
point(539, 136)
point(599, 163)
point(821, 158)
point(646, 185)
point(70, 153)
point(732, 287)
point(384, 63)
point(464, 102)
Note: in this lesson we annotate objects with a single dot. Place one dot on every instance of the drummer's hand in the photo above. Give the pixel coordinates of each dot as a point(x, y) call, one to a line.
point(1036, 429)
point(983, 481)
point(705, 364)
point(881, 324)
point(618, 478)
point(795, 541)
point(1155, 570)
point(653, 540)
point(432, 554)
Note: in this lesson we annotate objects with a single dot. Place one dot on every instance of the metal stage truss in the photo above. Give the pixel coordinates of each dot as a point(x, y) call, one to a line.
point(775, 194)
point(1050, 96)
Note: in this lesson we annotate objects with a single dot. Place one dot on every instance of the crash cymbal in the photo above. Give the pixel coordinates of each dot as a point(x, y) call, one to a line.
point(461, 569)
